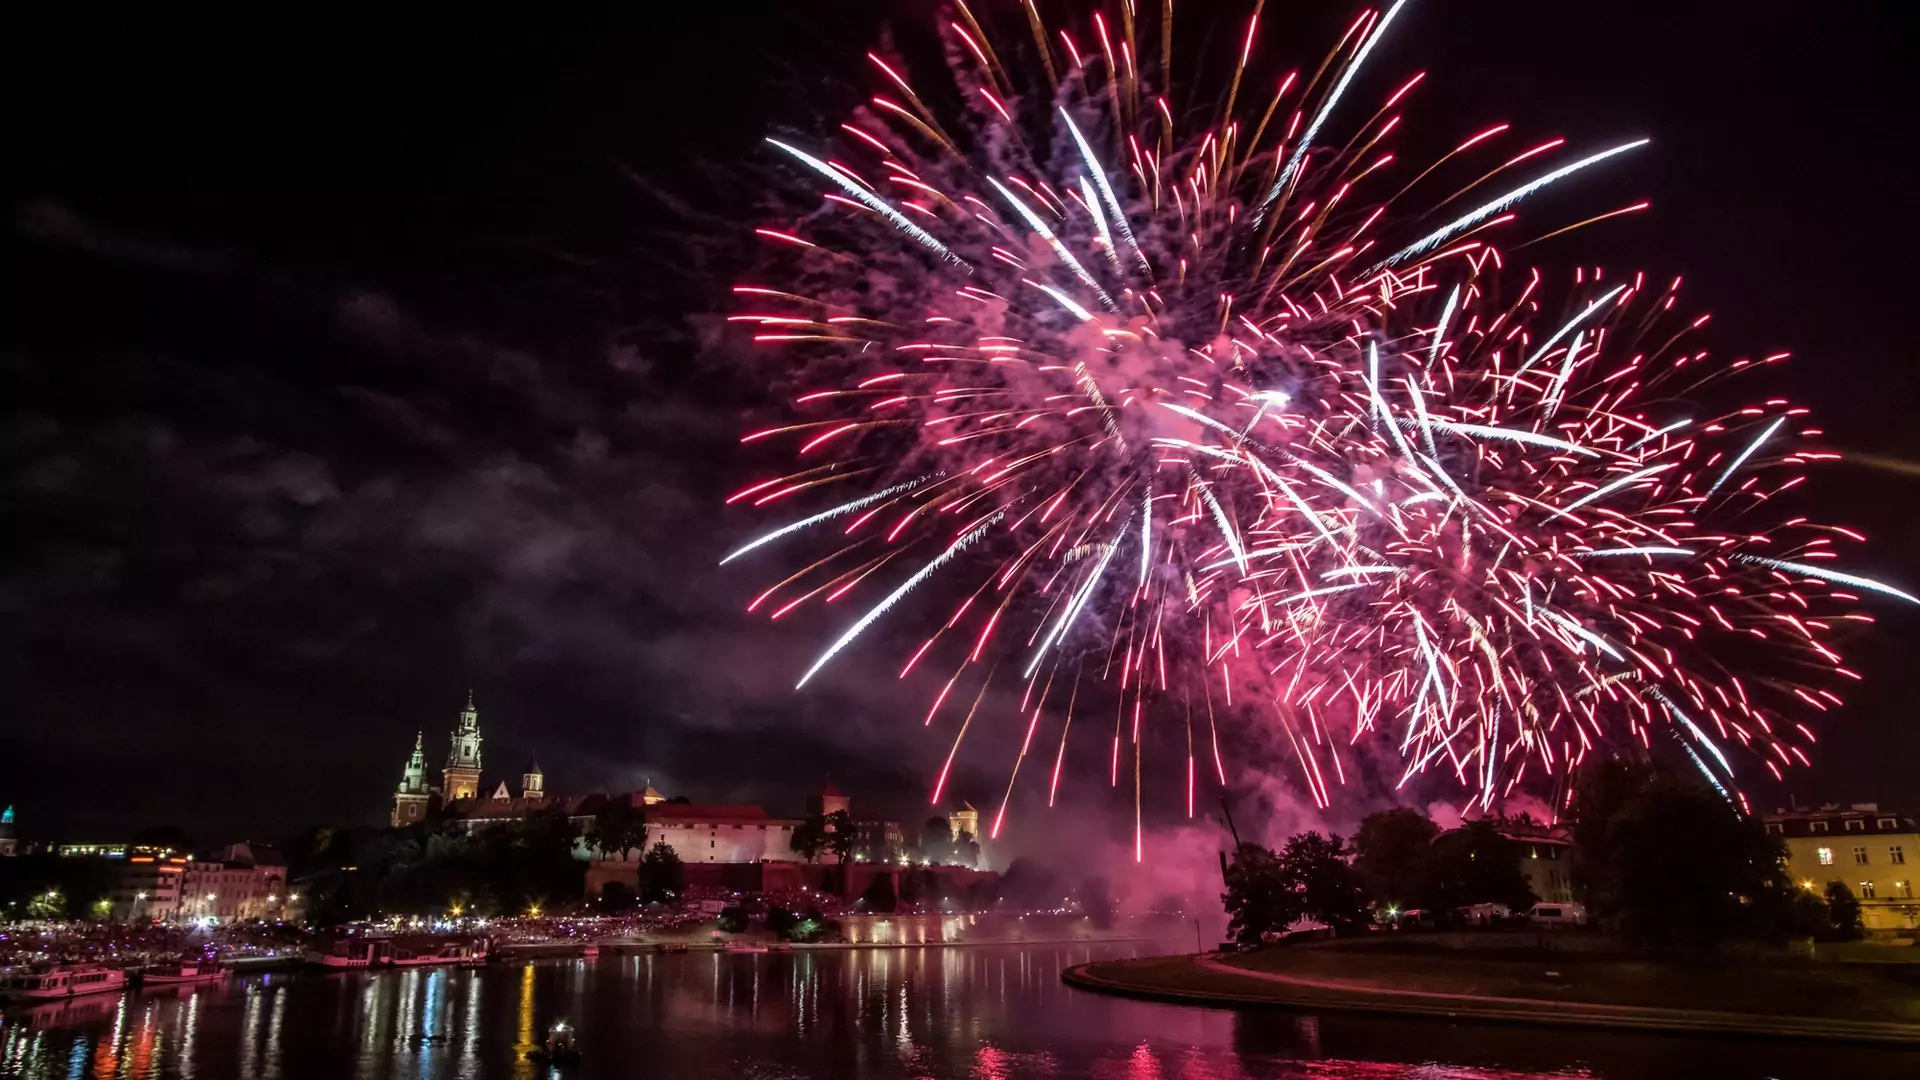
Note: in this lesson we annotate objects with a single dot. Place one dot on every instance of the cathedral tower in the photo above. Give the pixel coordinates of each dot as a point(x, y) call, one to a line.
point(410, 802)
point(461, 778)
point(533, 783)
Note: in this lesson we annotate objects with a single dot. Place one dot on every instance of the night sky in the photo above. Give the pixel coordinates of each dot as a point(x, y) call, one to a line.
point(354, 359)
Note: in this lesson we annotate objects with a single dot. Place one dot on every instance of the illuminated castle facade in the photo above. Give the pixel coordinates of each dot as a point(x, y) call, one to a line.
point(410, 802)
point(459, 778)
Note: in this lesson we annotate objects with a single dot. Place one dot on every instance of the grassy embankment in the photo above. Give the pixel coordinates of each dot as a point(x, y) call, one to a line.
point(1530, 985)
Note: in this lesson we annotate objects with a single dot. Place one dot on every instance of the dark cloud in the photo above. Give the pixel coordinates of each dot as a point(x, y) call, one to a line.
point(48, 221)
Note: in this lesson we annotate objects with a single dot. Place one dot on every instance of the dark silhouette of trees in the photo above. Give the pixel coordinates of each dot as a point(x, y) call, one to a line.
point(661, 875)
point(1843, 913)
point(619, 827)
point(1477, 865)
point(1393, 854)
point(1257, 898)
point(936, 840)
point(840, 834)
point(810, 838)
point(879, 895)
point(1316, 869)
point(1665, 857)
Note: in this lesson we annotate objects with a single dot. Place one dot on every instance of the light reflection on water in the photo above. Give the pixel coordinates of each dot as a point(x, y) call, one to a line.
point(982, 1013)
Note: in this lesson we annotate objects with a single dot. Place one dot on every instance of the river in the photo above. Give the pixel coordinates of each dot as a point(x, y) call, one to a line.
point(978, 1013)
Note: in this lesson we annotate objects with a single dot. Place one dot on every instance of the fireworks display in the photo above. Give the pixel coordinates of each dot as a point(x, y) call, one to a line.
point(1205, 410)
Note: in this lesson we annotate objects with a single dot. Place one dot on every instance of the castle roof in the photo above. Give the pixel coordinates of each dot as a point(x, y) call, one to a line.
point(492, 809)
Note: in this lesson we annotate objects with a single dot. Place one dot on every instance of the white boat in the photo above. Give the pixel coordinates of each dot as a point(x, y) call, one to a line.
point(349, 955)
point(59, 983)
point(182, 973)
point(452, 952)
point(745, 947)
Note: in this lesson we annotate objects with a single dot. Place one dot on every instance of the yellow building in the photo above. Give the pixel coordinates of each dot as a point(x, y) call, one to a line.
point(1875, 852)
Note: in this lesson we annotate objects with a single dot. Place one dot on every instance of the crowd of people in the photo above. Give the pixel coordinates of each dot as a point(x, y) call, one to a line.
point(128, 944)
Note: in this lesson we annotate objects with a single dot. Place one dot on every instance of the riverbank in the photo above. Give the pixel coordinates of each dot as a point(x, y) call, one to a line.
point(1841, 1002)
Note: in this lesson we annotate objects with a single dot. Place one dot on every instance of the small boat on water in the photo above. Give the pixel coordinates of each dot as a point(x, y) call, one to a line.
point(590, 951)
point(467, 953)
point(671, 947)
point(183, 973)
point(348, 954)
point(559, 1049)
point(61, 982)
point(745, 947)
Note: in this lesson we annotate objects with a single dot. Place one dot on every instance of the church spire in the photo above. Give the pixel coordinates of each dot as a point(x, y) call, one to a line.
point(413, 781)
point(461, 777)
point(410, 801)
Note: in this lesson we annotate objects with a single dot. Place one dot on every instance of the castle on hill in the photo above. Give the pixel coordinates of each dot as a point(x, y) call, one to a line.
point(459, 777)
point(711, 833)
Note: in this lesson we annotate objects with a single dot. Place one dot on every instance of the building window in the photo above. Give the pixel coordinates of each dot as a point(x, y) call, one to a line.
point(1774, 828)
point(1896, 856)
point(1903, 889)
point(1866, 890)
point(1817, 826)
point(1826, 856)
point(1889, 823)
point(1856, 825)
point(1859, 855)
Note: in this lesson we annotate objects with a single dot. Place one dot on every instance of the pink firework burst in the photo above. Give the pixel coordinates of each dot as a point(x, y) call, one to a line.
point(1242, 421)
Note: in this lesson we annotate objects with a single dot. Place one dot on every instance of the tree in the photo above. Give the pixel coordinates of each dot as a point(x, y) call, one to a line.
point(1683, 863)
point(1802, 914)
point(880, 895)
point(617, 896)
point(50, 905)
point(1257, 898)
point(810, 837)
point(662, 877)
point(1393, 854)
point(619, 827)
point(733, 919)
point(1315, 868)
point(1477, 865)
point(781, 922)
point(936, 840)
point(1603, 792)
point(966, 850)
point(840, 834)
point(1843, 912)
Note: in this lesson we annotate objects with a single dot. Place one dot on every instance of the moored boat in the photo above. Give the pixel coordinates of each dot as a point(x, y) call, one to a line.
point(61, 982)
point(465, 953)
point(349, 954)
point(745, 947)
point(182, 973)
